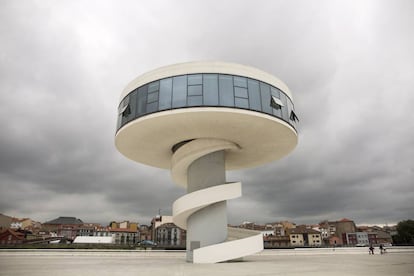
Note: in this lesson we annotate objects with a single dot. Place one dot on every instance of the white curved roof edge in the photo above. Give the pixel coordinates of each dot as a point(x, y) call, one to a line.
point(196, 67)
point(155, 150)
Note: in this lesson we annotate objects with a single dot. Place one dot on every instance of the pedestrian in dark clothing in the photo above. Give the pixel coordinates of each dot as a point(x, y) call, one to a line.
point(371, 250)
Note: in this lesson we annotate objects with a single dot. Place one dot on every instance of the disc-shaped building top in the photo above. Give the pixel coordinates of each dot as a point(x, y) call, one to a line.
point(199, 119)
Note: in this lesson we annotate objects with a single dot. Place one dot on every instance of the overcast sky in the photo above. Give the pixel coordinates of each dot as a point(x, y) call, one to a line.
point(349, 65)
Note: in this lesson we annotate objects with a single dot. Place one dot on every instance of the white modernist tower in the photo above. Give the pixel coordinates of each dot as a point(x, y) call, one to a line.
point(199, 119)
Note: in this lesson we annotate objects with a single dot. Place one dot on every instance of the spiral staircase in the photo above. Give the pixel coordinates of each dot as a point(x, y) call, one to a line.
point(235, 242)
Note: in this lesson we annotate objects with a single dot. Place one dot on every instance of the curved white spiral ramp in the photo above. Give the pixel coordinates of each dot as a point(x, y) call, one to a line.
point(239, 242)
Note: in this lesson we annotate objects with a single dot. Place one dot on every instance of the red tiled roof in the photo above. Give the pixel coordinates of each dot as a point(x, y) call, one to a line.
point(301, 230)
point(18, 235)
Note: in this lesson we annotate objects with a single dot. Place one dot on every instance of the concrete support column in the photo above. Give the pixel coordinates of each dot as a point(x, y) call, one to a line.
point(209, 225)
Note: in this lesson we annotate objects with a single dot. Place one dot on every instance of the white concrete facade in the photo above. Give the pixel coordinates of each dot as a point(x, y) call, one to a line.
point(205, 67)
point(203, 210)
point(228, 124)
point(198, 138)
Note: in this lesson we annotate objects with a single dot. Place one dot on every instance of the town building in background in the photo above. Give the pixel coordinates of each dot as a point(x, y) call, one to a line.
point(357, 239)
point(378, 235)
point(66, 227)
point(158, 221)
point(272, 241)
point(11, 237)
point(125, 232)
point(344, 226)
point(169, 235)
point(164, 234)
point(304, 236)
point(334, 232)
point(145, 232)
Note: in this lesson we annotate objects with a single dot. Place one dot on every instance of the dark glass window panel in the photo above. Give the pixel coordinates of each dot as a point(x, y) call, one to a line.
point(195, 90)
point(152, 107)
point(226, 90)
point(240, 92)
point(241, 102)
point(195, 100)
point(292, 117)
point(240, 81)
point(126, 107)
point(119, 121)
point(277, 108)
point(179, 98)
point(132, 105)
point(142, 100)
point(284, 108)
point(153, 86)
point(275, 92)
point(126, 111)
point(289, 106)
point(254, 95)
point(265, 95)
point(152, 97)
point(195, 79)
point(165, 94)
point(123, 111)
point(123, 104)
point(210, 89)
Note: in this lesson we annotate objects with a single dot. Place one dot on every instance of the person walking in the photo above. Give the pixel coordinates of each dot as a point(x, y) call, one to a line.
point(371, 250)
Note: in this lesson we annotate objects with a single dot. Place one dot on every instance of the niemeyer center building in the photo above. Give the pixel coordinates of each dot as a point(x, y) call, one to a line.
point(199, 119)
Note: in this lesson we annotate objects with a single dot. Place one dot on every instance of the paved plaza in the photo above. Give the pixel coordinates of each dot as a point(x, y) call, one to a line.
point(342, 261)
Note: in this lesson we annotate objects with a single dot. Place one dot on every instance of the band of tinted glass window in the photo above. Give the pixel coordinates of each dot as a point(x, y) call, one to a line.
point(205, 90)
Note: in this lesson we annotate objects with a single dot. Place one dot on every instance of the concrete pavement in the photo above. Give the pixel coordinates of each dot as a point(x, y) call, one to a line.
point(342, 261)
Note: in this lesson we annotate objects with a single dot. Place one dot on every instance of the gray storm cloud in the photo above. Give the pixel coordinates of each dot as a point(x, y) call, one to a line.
point(348, 64)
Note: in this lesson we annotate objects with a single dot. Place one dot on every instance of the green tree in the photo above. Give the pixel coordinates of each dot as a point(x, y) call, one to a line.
point(405, 231)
